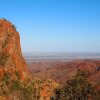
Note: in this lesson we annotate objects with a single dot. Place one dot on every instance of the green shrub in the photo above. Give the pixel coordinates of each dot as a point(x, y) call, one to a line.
point(16, 85)
point(78, 88)
point(6, 78)
point(4, 19)
point(3, 58)
point(13, 26)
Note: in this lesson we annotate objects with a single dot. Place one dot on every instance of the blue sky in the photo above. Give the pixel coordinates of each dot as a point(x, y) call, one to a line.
point(55, 25)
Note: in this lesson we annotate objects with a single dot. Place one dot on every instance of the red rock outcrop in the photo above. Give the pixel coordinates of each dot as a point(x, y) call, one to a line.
point(13, 64)
point(10, 51)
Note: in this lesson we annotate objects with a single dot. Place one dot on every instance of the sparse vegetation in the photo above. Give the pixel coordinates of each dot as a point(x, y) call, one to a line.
point(13, 26)
point(78, 88)
point(23, 89)
point(4, 44)
point(4, 19)
point(3, 58)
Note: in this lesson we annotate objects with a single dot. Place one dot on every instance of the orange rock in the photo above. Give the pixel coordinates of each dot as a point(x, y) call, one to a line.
point(10, 50)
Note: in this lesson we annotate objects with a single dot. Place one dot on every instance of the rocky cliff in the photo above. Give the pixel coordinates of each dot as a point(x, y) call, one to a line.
point(10, 51)
point(15, 81)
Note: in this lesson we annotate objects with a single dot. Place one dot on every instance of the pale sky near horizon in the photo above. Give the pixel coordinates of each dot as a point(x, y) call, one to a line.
point(55, 25)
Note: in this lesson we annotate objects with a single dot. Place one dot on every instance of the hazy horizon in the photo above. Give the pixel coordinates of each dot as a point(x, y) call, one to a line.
point(63, 52)
point(59, 56)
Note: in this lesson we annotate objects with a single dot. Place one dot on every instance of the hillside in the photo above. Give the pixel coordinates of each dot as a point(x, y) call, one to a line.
point(61, 71)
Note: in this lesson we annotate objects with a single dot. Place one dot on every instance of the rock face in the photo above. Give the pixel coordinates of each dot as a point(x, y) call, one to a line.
point(10, 50)
point(15, 81)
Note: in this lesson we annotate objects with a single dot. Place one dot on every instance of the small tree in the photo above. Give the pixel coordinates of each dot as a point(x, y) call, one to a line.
point(78, 88)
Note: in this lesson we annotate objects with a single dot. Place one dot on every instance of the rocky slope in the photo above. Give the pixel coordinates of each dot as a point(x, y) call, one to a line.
point(10, 51)
point(15, 81)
